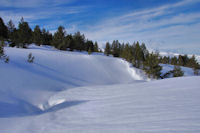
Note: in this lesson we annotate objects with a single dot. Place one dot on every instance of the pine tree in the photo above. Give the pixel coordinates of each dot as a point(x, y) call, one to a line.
point(1, 49)
point(24, 33)
point(37, 35)
point(152, 67)
point(46, 37)
point(89, 51)
point(69, 42)
point(115, 48)
point(11, 29)
point(107, 50)
point(138, 55)
point(177, 72)
point(79, 41)
point(59, 38)
point(3, 30)
point(13, 34)
point(96, 48)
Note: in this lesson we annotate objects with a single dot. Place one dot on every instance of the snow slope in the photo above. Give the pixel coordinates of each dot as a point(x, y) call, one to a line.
point(74, 92)
point(187, 71)
point(54, 71)
point(163, 106)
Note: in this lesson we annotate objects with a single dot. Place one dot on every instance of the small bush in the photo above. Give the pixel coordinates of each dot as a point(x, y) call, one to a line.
point(30, 58)
point(177, 72)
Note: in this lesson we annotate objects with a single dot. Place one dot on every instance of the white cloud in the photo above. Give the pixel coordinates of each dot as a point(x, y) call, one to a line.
point(162, 26)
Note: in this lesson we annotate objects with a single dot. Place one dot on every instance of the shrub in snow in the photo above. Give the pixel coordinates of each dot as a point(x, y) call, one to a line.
point(177, 72)
point(2, 54)
point(30, 58)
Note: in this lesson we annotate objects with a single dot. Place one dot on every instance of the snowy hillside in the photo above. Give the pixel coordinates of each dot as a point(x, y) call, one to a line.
point(54, 71)
point(165, 106)
point(75, 92)
point(187, 71)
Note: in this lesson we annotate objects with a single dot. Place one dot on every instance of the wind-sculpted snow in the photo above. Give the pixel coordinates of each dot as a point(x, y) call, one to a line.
point(162, 106)
point(30, 85)
point(72, 92)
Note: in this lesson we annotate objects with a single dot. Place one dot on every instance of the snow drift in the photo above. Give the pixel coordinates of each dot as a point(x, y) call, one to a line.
point(74, 92)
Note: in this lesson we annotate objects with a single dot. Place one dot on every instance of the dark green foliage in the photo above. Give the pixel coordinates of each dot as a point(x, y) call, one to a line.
point(182, 61)
point(138, 55)
point(3, 30)
point(1, 48)
point(107, 50)
point(46, 37)
point(177, 72)
point(79, 41)
point(115, 48)
point(24, 33)
point(96, 48)
point(151, 66)
point(59, 38)
point(89, 51)
point(126, 52)
point(37, 35)
point(12, 34)
point(69, 42)
point(30, 58)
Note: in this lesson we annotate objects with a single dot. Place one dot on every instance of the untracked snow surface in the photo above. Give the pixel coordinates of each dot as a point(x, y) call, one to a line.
point(71, 92)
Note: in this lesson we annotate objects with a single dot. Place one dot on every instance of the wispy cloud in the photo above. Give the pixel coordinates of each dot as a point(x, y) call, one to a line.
point(33, 3)
point(165, 26)
point(35, 11)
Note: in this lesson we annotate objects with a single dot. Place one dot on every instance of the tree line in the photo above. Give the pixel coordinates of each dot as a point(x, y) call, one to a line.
point(141, 58)
point(23, 35)
point(135, 53)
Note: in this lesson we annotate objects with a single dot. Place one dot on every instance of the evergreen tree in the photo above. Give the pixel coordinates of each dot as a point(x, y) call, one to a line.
point(13, 34)
point(107, 50)
point(96, 48)
point(37, 35)
point(177, 72)
point(79, 41)
point(3, 30)
point(24, 33)
point(46, 37)
point(89, 45)
point(138, 55)
point(126, 52)
point(89, 51)
point(59, 38)
point(152, 67)
point(115, 48)
point(11, 29)
point(174, 60)
point(69, 42)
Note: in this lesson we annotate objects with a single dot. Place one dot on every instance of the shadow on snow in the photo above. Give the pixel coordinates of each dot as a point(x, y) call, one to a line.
point(22, 108)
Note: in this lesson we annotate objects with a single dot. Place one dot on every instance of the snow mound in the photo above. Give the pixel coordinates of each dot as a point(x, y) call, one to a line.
point(28, 86)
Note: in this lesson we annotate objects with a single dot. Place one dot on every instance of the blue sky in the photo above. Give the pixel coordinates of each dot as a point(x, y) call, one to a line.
point(170, 25)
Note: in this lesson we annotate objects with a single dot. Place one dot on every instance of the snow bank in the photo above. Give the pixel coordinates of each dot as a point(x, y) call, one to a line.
point(165, 106)
point(54, 71)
